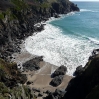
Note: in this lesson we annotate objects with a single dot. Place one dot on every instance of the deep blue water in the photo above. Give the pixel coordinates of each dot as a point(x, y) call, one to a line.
point(83, 23)
point(70, 39)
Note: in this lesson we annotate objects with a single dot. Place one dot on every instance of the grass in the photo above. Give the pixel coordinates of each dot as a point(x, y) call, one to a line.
point(19, 4)
point(45, 5)
point(1, 15)
point(7, 67)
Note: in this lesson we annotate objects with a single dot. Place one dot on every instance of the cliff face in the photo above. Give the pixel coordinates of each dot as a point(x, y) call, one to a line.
point(86, 83)
point(10, 77)
point(64, 6)
point(17, 19)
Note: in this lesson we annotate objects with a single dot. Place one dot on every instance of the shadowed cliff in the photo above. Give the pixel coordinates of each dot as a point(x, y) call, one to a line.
point(86, 83)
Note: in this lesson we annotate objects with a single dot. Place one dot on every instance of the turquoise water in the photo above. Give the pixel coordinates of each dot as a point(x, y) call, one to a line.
point(85, 23)
point(70, 39)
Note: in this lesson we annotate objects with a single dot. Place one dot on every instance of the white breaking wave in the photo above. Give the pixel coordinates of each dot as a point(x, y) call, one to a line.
point(94, 40)
point(59, 49)
point(86, 10)
point(61, 16)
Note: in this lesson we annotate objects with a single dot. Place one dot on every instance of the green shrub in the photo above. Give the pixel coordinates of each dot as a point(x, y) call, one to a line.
point(1, 16)
point(3, 88)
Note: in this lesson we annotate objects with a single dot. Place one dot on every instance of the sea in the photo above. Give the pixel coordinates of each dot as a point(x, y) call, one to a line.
point(70, 39)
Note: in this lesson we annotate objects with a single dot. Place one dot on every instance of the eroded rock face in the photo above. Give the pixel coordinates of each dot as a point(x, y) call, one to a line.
point(79, 70)
point(94, 54)
point(60, 71)
point(58, 76)
point(57, 80)
point(10, 75)
point(32, 64)
point(58, 94)
point(81, 86)
point(63, 7)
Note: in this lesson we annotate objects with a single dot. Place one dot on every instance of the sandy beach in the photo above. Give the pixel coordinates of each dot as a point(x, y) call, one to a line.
point(41, 78)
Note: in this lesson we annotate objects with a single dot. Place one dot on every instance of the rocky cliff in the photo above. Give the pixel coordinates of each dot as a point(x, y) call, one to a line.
point(86, 83)
point(17, 21)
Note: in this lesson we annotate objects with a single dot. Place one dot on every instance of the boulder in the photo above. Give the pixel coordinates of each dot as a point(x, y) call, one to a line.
point(60, 71)
point(58, 94)
point(57, 80)
point(47, 92)
point(79, 70)
point(56, 15)
point(32, 64)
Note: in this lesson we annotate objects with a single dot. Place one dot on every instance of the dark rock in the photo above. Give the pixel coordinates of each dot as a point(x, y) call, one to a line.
point(56, 15)
point(48, 92)
point(50, 96)
point(40, 94)
point(57, 80)
point(10, 75)
point(31, 65)
point(40, 58)
point(74, 7)
point(22, 78)
point(29, 82)
point(60, 71)
point(58, 94)
point(94, 53)
point(24, 26)
point(79, 71)
point(35, 90)
point(39, 27)
point(81, 86)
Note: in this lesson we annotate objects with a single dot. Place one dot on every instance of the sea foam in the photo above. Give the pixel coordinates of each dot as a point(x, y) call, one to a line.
point(60, 49)
point(87, 10)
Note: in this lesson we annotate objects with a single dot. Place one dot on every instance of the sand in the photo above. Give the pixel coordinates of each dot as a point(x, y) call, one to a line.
point(42, 77)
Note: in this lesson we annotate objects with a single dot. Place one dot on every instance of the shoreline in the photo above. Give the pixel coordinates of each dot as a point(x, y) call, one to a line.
point(41, 78)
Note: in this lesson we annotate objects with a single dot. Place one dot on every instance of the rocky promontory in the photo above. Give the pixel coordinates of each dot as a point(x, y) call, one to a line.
point(18, 19)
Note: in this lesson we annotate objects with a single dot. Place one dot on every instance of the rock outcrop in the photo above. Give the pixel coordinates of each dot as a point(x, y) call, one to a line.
point(10, 75)
point(32, 64)
point(58, 76)
point(57, 80)
point(60, 71)
point(86, 84)
point(58, 94)
point(79, 70)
